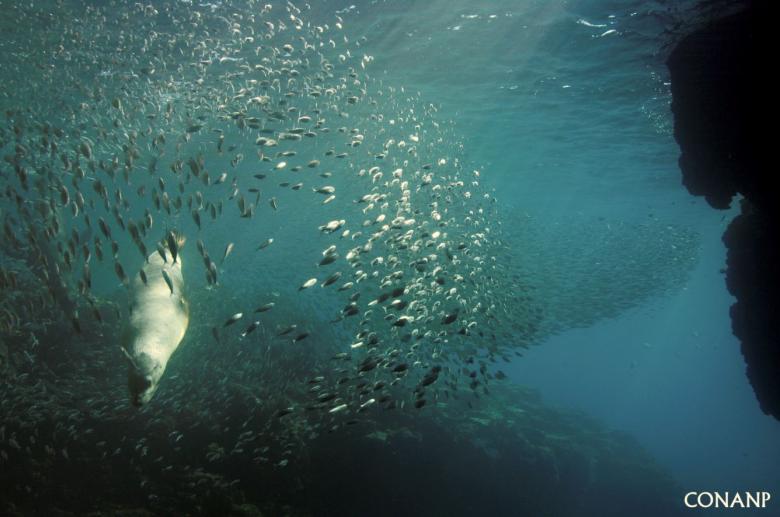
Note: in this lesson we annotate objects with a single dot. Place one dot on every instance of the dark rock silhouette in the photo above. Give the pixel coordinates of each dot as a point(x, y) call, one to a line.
point(721, 95)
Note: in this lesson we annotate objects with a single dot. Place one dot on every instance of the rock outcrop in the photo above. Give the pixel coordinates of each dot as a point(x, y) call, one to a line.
point(721, 91)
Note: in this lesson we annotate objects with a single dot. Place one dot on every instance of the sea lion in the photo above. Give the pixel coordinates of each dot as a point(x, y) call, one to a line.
point(158, 320)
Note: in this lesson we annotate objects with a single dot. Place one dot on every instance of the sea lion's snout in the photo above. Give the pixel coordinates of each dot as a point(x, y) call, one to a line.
point(142, 380)
point(141, 388)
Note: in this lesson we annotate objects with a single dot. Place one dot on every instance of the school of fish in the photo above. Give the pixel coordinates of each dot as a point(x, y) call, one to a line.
point(217, 118)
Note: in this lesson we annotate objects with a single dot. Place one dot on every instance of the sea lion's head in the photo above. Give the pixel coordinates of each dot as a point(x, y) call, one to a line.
point(143, 378)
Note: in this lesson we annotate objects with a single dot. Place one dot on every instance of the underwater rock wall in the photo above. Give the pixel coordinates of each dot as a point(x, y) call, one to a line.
point(719, 92)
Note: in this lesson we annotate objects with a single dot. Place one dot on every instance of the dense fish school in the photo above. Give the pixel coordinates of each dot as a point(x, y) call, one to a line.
point(238, 119)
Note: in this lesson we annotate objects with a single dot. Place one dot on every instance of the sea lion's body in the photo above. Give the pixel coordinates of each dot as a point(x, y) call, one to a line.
point(157, 324)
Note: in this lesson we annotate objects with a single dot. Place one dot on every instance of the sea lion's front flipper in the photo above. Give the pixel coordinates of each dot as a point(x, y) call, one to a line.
point(129, 357)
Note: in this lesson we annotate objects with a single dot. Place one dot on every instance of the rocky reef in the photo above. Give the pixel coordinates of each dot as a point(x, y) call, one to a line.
point(720, 91)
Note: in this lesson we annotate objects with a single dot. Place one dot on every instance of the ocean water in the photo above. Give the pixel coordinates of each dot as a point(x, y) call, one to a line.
point(589, 367)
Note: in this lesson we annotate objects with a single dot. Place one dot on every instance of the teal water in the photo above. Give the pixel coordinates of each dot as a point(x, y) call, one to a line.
point(601, 273)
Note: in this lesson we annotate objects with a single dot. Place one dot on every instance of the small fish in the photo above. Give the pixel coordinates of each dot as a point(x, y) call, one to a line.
point(286, 330)
point(120, 273)
point(234, 318)
point(161, 251)
point(328, 259)
point(168, 280)
point(332, 226)
point(331, 279)
point(300, 337)
point(64, 195)
point(266, 307)
point(143, 277)
point(104, 228)
point(308, 283)
point(366, 404)
point(265, 244)
point(251, 328)
point(228, 249)
point(173, 246)
point(449, 318)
